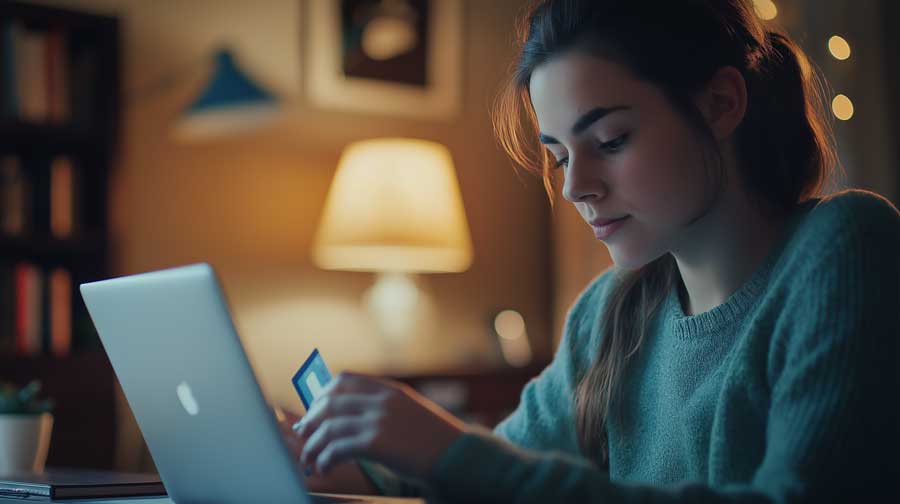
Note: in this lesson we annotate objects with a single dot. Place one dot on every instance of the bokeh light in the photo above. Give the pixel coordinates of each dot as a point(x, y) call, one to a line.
point(842, 107)
point(839, 47)
point(765, 9)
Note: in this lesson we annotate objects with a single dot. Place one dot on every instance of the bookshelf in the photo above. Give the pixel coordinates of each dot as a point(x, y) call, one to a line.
point(59, 111)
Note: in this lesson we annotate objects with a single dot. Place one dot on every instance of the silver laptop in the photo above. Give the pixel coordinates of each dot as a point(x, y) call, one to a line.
point(172, 343)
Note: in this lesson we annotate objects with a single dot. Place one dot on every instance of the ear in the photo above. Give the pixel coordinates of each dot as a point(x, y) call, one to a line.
point(723, 101)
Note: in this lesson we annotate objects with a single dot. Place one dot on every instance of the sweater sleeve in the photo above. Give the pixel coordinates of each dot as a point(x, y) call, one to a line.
point(833, 427)
point(388, 482)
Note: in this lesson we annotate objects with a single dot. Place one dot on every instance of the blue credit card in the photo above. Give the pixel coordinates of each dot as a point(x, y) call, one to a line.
point(311, 378)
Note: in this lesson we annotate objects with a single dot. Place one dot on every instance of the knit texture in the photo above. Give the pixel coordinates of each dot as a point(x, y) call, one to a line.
point(787, 392)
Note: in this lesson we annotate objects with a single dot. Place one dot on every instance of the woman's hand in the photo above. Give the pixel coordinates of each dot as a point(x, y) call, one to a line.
point(378, 419)
point(286, 421)
point(345, 478)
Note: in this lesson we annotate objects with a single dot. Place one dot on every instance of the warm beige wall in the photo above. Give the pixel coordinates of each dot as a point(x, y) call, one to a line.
point(250, 206)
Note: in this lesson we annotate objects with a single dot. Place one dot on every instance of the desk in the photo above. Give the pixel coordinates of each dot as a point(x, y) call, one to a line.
point(166, 500)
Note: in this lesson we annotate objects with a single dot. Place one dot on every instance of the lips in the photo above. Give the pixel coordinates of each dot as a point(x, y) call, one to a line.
point(604, 228)
point(604, 222)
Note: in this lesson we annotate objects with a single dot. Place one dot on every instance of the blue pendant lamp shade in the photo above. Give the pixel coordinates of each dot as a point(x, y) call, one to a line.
point(230, 103)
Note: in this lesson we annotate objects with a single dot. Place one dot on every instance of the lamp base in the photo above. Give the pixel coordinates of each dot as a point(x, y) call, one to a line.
point(393, 301)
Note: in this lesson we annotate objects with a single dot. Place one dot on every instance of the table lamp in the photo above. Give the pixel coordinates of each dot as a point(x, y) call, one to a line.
point(394, 208)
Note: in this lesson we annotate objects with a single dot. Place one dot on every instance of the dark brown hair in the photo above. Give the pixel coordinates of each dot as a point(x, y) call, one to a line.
point(785, 142)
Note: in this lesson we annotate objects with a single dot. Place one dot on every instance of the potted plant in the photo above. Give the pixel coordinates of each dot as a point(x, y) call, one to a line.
point(25, 427)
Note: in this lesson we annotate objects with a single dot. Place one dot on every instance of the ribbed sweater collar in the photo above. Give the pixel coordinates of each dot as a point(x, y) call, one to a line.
point(738, 305)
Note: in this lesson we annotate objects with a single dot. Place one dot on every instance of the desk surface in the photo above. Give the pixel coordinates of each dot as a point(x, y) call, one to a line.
point(166, 500)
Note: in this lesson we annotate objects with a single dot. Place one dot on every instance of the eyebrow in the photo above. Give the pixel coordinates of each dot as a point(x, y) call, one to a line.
point(584, 122)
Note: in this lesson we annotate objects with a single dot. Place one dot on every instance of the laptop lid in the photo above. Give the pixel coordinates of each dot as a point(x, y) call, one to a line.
point(174, 348)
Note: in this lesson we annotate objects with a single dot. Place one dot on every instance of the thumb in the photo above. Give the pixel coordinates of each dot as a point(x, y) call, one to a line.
point(285, 415)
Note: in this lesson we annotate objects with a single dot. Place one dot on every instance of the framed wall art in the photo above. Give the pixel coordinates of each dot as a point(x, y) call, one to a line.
point(394, 57)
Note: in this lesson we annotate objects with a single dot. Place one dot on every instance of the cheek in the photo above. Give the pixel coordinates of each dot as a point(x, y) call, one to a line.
point(667, 183)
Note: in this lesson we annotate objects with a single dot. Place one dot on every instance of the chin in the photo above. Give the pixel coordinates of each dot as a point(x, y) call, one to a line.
point(630, 260)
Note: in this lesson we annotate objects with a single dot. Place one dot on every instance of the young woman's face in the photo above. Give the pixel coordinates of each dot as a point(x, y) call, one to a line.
point(639, 162)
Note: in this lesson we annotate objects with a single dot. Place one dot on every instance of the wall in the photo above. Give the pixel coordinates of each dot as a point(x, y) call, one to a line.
point(250, 205)
point(866, 141)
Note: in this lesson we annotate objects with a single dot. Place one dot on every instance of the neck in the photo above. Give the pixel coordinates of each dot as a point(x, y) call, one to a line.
point(720, 252)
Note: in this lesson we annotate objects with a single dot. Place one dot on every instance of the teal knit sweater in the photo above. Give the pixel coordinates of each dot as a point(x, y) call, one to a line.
point(787, 392)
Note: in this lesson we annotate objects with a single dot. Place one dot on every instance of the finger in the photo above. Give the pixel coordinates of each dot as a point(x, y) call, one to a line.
point(287, 415)
point(328, 407)
point(347, 382)
point(294, 446)
point(330, 431)
point(340, 451)
point(279, 413)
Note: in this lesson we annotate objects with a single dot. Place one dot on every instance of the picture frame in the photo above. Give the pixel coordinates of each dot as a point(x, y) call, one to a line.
point(424, 82)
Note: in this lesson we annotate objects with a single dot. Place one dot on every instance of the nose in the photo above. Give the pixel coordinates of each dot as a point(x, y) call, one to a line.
point(580, 185)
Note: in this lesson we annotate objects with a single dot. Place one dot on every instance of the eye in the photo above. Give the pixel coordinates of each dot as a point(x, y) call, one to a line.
point(558, 162)
point(615, 145)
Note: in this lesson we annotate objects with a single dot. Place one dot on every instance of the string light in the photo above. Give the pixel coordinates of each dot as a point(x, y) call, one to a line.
point(842, 107)
point(839, 47)
point(765, 9)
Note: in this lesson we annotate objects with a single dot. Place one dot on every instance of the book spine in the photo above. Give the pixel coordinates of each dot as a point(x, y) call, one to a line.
point(45, 335)
point(31, 66)
point(57, 77)
point(13, 196)
point(61, 312)
point(39, 193)
point(7, 310)
point(35, 315)
point(9, 94)
point(22, 296)
point(62, 198)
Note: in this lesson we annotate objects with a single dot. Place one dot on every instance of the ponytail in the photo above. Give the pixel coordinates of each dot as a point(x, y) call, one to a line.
point(785, 139)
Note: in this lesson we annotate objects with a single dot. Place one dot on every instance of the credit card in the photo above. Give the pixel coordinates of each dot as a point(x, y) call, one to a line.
point(311, 378)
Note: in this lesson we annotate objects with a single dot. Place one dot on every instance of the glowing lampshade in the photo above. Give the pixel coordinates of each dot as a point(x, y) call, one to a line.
point(394, 206)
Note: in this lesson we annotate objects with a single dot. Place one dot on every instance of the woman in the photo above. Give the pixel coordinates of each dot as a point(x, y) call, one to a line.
point(744, 346)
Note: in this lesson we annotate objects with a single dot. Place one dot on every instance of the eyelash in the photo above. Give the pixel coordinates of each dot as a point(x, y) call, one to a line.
point(611, 147)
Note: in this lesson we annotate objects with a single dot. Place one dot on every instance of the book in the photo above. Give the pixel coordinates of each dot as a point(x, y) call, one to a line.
point(13, 196)
point(57, 77)
point(60, 312)
point(7, 310)
point(62, 198)
point(43, 343)
point(31, 70)
point(39, 199)
point(29, 297)
point(9, 93)
point(79, 483)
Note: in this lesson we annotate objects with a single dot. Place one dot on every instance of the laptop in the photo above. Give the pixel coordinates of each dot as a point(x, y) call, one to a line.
point(175, 350)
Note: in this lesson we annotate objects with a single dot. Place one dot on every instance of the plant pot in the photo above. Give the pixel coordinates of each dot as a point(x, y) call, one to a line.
point(24, 442)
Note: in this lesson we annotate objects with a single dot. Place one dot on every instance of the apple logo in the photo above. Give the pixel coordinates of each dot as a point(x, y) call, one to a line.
point(187, 398)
